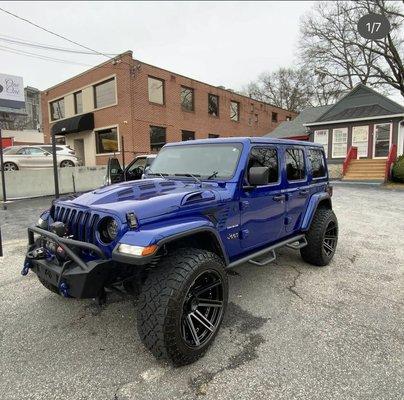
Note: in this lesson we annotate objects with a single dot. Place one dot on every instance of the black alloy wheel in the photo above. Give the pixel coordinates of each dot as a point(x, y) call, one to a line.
point(202, 309)
point(330, 238)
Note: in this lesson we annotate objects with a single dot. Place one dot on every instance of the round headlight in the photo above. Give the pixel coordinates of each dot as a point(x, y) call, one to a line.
point(112, 229)
point(108, 229)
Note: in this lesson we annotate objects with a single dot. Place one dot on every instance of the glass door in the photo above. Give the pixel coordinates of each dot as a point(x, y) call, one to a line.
point(360, 139)
point(381, 140)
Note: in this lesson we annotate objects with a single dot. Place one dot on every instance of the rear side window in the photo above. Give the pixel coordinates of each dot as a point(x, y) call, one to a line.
point(317, 163)
point(265, 157)
point(295, 164)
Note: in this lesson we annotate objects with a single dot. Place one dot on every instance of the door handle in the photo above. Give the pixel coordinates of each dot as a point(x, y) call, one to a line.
point(303, 192)
point(279, 197)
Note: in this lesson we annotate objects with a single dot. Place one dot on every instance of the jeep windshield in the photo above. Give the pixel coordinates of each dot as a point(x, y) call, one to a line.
point(198, 161)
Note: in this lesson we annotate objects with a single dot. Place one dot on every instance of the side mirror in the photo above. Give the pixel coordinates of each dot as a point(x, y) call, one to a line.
point(258, 176)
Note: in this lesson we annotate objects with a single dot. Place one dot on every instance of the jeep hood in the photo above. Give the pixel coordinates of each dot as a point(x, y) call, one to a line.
point(148, 198)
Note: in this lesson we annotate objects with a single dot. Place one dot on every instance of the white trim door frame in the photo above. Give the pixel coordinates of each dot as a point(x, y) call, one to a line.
point(375, 139)
point(362, 145)
point(400, 138)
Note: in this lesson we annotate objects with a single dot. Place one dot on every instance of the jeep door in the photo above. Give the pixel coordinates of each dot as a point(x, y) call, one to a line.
point(262, 207)
point(297, 187)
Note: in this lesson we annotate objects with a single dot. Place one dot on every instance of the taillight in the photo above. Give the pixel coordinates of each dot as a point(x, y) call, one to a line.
point(329, 190)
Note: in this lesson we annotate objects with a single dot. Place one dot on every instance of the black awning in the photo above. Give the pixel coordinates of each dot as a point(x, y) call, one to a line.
point(84, 122)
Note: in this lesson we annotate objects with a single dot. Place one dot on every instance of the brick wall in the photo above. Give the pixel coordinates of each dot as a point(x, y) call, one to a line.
point(134, 113)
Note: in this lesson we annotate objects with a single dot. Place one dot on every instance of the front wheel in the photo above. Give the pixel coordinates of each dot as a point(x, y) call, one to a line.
point(322, 238)
point(182, 305)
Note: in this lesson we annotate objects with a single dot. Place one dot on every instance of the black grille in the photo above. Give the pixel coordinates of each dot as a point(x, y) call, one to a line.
point(80, 224)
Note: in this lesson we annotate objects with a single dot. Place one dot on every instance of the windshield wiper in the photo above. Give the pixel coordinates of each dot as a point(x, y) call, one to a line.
point(150, 172)
point(214, 175)
point(191, 176)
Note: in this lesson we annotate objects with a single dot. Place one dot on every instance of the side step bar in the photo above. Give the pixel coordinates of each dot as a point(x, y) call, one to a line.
point(296, 243)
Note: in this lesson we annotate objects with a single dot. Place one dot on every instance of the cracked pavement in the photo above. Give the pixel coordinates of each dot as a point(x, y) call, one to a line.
point(292, 331)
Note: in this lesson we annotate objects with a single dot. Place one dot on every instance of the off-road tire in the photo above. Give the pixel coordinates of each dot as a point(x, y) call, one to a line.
point(49, 286)
point(161, 301)
point(314, 252)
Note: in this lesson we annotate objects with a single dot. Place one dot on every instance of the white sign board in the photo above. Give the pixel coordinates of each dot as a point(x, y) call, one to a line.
point(11, 91)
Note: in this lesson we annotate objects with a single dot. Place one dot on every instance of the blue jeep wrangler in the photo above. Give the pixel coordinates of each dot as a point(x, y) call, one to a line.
point(204, 206)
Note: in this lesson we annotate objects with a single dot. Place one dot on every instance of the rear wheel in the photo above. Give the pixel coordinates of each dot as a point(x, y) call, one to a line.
point(67, 163)
point(322, 238)
point(10, 166)
point(182, 304)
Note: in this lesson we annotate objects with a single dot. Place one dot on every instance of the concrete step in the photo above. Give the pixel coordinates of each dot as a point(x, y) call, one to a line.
point(382, 161)
point(369, 167)
point(370, 170)
point(364, 176)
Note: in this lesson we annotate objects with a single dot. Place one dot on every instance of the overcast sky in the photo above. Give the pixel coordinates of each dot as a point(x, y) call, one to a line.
point(228, 43)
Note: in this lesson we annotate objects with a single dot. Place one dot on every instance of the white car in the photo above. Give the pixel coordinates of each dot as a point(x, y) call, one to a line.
point(22, 157)
point(60, 149)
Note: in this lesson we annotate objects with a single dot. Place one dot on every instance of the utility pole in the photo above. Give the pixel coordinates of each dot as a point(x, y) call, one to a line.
point(55, 165)
point(3, 180)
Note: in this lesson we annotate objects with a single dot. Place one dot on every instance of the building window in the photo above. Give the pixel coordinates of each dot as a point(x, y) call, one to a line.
point(295, 170)
point(187, 98)
point(213, 105)
point(157, 137)
point(235, 111)
point(274, 116)
point(252, 107)
point(105, 94)
point(57, 109)
point(213, 136)
point(256, 118)
point(265, 157)
point(106, 141)
point(156, 90)
point(321, 137)
point(317, 163)
point(78, 102)
point(188, 135)
point(288, 118)
point(339, 142)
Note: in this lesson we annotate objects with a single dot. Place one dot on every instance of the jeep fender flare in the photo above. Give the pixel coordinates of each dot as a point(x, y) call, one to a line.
point(164, 235)
point(315, 200)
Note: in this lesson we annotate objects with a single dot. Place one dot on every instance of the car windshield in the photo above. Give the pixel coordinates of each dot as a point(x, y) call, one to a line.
point(210, 161)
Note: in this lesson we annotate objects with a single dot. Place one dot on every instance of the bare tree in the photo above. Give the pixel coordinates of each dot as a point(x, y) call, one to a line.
point(293, 89)
point(332, 48)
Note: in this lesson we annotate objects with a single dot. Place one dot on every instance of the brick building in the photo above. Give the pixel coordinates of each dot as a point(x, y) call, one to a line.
point(147, 106)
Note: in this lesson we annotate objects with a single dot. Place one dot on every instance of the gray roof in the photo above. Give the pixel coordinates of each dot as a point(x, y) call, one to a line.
point(295, 127)
point(360, 102)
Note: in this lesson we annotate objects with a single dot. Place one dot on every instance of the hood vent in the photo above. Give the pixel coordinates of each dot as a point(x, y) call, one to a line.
point(197, 197)
point(146, 186)
point(167, 183)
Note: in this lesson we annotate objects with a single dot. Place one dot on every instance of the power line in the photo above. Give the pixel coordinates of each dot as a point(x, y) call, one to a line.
point(40, 56)
point(58, 35)
point(21, 42)
point(53, 33)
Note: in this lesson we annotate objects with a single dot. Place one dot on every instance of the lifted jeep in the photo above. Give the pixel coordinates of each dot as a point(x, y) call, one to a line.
point(204, 207)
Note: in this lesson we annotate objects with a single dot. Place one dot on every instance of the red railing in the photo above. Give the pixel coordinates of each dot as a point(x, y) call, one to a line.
point(389, 162)
point(351, 155)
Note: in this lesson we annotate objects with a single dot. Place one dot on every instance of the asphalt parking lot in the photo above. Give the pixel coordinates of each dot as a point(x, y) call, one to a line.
point(292, 331)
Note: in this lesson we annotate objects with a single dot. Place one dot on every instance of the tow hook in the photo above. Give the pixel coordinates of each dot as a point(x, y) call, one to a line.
point(25, 268)
point(64, 289)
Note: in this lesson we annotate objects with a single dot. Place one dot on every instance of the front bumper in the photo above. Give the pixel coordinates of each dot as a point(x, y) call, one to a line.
point(73, 276)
